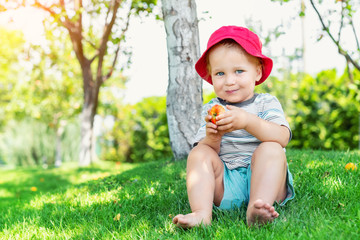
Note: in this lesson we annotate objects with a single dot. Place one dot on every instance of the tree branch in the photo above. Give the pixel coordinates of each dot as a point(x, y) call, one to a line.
point(75, 30)
point(66, 23)
point(342, 21)
point(325, 28)
point(108, 75)
point(104, 40)
point(341, 51)
point(45, 8)
point(356, 38)
point(351, 77)
point(349, 58)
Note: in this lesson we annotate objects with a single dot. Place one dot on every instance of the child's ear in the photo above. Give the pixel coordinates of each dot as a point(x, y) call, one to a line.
point(259, 72)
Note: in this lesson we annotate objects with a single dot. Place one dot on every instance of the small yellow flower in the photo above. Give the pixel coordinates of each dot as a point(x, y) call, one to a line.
point(117, 217)
point(33, 189)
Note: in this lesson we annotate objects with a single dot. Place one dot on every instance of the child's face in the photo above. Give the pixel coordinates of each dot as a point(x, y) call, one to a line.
point(234, 73)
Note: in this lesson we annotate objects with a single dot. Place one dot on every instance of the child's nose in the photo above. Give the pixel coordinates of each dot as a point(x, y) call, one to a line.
point(230, 79)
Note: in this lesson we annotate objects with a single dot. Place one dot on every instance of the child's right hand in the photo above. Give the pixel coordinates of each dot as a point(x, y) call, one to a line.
point(213, 136)
point(211, 130)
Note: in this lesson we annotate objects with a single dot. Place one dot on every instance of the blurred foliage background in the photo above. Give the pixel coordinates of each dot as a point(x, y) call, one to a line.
point(323, 112)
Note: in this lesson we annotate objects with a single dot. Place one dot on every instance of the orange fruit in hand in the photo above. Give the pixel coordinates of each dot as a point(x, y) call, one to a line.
point(350, 166)
point(215, 111)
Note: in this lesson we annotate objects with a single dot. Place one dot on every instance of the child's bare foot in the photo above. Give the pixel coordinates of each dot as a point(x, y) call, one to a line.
point(191, 220)
point(260, 213)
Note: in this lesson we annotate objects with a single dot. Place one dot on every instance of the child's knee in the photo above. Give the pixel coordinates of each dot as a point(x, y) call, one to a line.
point(270, 151)
point(202, 153)
point(271, 148)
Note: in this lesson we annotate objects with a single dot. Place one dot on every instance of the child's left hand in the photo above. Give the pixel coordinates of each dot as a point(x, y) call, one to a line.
point(234, 119)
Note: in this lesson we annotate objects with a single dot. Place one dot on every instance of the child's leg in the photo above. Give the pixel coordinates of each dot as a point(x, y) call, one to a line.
point(204, 182)
point(268, 182)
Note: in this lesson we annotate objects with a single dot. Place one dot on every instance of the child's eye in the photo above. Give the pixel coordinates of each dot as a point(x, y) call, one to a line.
point(239, 71)
point(219, 74)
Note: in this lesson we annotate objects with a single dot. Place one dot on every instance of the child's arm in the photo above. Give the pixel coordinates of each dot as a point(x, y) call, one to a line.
point(263, 130)
point(267, 131)
point(213, 136)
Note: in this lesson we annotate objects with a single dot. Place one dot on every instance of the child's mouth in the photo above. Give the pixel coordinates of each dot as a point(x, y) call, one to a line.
point(231, 91)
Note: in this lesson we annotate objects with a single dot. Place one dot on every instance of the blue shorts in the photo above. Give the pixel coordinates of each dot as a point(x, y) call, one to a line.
point(237, 188)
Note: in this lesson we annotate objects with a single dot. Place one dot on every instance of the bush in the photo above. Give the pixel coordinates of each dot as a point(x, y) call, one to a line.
point(30, 142)
point(323, 112)
point(140, 133)
point(27, 143)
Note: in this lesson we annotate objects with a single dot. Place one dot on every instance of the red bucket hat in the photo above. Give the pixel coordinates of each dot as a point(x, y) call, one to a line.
point(247, 40)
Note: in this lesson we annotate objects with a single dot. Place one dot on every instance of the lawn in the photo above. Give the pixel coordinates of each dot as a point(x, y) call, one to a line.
point(138, 201)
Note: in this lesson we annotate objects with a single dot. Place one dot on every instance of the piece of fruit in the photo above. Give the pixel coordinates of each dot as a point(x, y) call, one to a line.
point(350, 166)
point(215, 111)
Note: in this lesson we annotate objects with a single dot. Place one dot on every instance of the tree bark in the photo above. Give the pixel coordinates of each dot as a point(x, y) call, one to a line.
point(87, 120)
point(184, 92)
point(91, 92)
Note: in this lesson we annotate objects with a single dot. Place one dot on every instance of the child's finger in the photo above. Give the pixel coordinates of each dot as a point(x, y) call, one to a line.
point(220, 118)
point(225, 128)
point(212, 131)
point(207, 118)
point(221, 122)
point(230, 107)
point(211, 128)
point(211, 125)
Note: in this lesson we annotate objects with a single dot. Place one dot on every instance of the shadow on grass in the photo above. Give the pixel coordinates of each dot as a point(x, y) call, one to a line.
point(24, 188)
point(23, 185)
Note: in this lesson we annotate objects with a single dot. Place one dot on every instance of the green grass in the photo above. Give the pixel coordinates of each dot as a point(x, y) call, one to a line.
point(72, 203)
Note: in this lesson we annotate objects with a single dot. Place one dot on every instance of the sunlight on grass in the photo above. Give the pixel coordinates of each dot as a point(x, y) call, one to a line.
point(6, 193)
point(152, 189)
point(169, 226)
point(333, 183)
point(319, 163)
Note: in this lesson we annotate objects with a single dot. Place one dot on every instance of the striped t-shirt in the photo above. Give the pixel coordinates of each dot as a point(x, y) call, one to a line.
point(237, 147)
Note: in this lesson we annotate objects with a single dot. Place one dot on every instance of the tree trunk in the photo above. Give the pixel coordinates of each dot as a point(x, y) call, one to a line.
point(58, 149)
point(87, 115)
point(86, 135)
point(184, 93)
point(58, 160)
